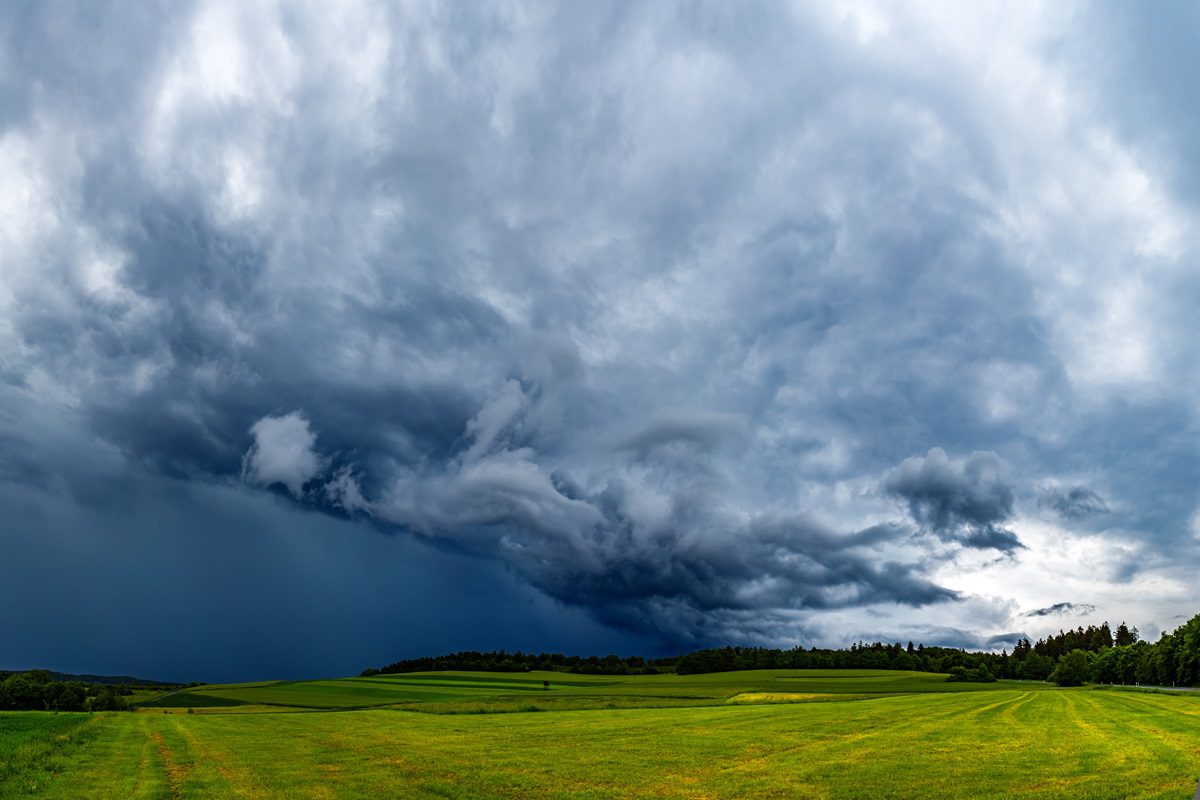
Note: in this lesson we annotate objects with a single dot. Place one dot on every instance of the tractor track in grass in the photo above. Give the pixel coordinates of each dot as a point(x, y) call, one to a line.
point(175, 773)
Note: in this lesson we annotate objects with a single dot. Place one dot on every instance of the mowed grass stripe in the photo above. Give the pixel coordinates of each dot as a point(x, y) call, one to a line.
point(1171, 739)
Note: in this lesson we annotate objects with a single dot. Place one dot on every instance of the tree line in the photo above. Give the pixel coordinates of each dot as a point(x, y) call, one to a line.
point(1028, 660)
point(503, 661)
point(35, 690)
point(1095, 654)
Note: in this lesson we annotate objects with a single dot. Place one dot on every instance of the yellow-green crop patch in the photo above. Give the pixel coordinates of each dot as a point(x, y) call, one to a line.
point(755, 698)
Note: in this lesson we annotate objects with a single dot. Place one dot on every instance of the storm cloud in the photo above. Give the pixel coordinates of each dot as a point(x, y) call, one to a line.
point(964, 501)
point(1061, 609)
point(1073, 503)
point(654, 554)
point(694, 322)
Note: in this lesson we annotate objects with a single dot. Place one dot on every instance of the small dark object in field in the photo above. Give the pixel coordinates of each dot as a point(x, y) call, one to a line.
point(545, 684)
point(191, 711)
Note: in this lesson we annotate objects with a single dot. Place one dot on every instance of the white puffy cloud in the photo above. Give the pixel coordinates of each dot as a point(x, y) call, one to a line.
point(283, 453)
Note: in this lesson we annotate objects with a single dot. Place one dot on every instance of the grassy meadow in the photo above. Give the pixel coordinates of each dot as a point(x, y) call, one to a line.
point(793, 734)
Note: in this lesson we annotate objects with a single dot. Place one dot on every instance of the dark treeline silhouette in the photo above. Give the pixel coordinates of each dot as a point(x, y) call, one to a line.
point(1092, 654)
point(987, 666)
point(502, 661)
point(126, 681)
point(35, 690)
point(1095, 653)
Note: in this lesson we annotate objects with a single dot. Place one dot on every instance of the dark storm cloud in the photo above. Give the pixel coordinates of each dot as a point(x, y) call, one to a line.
point(767, 565)
point(439, 410)
point(633, 302)
point(965, 501)
point(667, 574)
point(1074, 503)
point(1061, 609)
point(267, 589)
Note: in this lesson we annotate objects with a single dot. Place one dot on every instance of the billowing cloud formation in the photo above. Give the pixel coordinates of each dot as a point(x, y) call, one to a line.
point(1076, 502)
point(636, 302)
point(654, 555)
point(964, 501)
point(283, 453)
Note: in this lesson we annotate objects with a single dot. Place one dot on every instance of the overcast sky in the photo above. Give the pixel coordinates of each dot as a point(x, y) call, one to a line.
point(332, 334)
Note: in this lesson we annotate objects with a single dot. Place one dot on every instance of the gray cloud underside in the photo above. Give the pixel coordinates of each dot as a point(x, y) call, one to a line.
point(1074, 503)
point(657, 306)
point(1061, 609)
point(963, 501)
point(655, 554)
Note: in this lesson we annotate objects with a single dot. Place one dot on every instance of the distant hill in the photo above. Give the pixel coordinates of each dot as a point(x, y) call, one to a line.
point(101, 679)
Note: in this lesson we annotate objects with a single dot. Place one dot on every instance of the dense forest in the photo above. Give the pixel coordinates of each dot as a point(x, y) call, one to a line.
point(1095, 654)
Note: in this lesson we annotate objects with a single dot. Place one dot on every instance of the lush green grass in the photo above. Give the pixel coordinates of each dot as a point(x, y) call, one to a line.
point(870, 735)
point(189, 700)
point(35, 747)
point(141, 695)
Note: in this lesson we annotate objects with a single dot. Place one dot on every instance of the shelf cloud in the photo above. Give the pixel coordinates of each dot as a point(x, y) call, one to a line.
point(671, 323)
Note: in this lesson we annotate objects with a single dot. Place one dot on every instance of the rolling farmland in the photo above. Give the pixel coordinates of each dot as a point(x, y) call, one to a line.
point(811, 733)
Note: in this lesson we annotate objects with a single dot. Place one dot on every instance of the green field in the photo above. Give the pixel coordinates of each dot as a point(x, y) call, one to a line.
point(798, 734)
point(476, 692)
